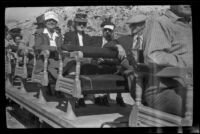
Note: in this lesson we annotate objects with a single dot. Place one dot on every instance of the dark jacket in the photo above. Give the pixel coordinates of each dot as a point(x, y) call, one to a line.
point(71, 39)
point(98, 40)
point(126, 42)
point(42, 41)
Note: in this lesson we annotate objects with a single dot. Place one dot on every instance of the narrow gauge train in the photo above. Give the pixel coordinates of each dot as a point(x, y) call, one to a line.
point(72, 87)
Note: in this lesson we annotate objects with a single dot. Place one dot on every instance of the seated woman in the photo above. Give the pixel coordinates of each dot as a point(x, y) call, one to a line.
point(47, 39)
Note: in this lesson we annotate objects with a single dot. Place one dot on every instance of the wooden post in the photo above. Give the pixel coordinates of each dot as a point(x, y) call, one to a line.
point(77, 83)
point(188, 119)
point(60, 66)
point(42, 94)
point(70, 112)
point(188, 79)
point(138, 90)
point(25, 62)
point(45, 80)
point(59, 73)
point(22, 89)
point(34, 63)
point(133, 117)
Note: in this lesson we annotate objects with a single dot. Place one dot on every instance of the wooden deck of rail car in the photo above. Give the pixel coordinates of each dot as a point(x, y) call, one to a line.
point(91, 116)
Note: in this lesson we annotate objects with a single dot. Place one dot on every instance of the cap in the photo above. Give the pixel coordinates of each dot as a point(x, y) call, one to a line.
point(50, 15)
point(15, 31)
point(137, 19)
point(108, 24)
point(80, 17)
point(39, 19)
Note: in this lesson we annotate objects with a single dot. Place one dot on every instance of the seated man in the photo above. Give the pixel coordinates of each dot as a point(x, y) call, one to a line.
point(74, 38)
point(105, 65)
point(169, 43)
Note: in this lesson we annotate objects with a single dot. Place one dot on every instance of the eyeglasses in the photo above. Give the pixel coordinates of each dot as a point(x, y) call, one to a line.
point(51, 21)
point(81, 23)
point(107, 30)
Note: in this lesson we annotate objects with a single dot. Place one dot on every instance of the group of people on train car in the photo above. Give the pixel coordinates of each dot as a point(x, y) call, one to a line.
point(158, 42)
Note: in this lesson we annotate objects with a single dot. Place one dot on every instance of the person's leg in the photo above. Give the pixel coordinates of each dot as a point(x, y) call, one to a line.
point(166, 100)
point(53, 74)
point(119, 100)
point(69, 68)
point(30, 65)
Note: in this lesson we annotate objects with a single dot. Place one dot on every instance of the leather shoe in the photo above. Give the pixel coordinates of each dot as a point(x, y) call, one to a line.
point(80, 103)
point(120, 101)
point(105, 101)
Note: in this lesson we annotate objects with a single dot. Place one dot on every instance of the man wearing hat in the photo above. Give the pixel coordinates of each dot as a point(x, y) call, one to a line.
point(106, 40)
point(78, 37)
point(169, 43)
point(133, 43)
point(47, 39)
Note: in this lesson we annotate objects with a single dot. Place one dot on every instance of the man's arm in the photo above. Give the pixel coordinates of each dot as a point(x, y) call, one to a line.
point(158, 45)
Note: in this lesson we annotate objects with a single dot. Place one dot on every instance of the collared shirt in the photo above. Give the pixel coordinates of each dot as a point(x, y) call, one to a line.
point(104, 41)
point(52, 38)
point(169, 41)
point(137, 42)
point(137, 45)
point(80, 39)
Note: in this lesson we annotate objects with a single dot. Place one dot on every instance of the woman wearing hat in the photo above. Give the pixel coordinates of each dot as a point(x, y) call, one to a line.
point(47, 39)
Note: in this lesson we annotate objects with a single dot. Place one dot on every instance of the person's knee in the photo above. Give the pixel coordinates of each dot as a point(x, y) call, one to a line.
point(166, 101)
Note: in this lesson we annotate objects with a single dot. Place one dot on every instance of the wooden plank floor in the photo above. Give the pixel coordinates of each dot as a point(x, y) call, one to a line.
point(90, 117)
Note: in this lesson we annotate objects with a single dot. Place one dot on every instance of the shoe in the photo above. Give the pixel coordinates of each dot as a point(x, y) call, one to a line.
point(105, 101)
point(76, 104)
point(120, 102)
point(97, 100)
point(81, 102)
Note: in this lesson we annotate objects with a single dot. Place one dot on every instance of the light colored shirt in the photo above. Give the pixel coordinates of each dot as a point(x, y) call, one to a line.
point(169, 41)
point(80, 39)
point(104, 41)
point(137, 45)
point(52, 38)
point(137, 42)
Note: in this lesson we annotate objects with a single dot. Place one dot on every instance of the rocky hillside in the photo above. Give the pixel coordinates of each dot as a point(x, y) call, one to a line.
point(96, 14)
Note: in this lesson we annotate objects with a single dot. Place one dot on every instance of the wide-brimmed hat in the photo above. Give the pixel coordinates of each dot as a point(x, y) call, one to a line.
point(51, 15)
point(108, 24)
point(80, 17)
point(15, 32)
point(137, 19)
point(39, 20)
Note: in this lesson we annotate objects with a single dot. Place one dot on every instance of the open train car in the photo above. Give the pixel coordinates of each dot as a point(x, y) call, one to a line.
point(74, 86)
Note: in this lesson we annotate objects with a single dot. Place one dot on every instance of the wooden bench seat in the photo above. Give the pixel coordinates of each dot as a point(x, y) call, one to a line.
point(78, 85)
